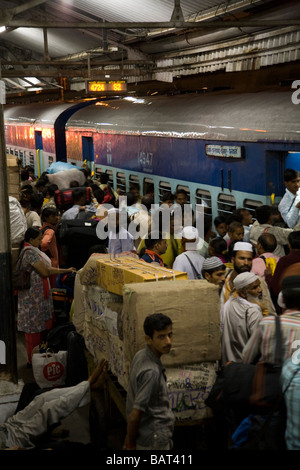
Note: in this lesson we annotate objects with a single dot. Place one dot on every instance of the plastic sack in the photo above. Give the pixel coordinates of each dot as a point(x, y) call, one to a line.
point(49, 369)
point(18, 224)
point(64, 178)
point(59, 166)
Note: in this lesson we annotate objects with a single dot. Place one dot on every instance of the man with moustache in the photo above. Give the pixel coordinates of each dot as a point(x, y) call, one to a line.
point(150, 421)
point(242, 256)
point(213, 270)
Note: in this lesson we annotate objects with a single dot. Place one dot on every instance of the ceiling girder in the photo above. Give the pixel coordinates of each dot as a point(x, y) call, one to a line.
point(151, 25)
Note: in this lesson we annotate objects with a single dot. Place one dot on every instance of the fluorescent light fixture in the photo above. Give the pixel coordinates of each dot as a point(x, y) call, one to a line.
point(2, 29)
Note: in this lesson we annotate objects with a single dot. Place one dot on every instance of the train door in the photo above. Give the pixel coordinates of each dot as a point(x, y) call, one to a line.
point(88, 152)
point(39, 167)
point(274, 174)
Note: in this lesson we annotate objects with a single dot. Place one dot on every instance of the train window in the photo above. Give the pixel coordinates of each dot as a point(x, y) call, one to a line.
point(226, 204)
point(134, 179)
point(111, 177)
point(148, 186)
point(186, 189)
point(7, 150)
point(98, 172)
point(25, 157)
point(121, 182)
point(204, 197)
point(134, 182)
point(50, 160)
point(16, 152)
point(163, 188)
point(251, 205)
point(31, 159)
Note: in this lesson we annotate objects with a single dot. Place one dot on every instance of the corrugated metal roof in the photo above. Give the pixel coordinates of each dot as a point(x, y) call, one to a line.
point(136, 53)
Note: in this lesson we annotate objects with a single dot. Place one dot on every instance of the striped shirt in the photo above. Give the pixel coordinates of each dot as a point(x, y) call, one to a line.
point(262, 343)
point(292, 401)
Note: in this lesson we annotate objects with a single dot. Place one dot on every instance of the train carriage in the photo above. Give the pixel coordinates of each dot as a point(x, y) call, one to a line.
point(227, 150)
point(35, 133)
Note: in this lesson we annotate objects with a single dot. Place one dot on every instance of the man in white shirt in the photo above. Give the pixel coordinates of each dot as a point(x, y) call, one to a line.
point(119, 239)
point(189, 261)
point(79, 200)
point(240, 317)
point(287, 207)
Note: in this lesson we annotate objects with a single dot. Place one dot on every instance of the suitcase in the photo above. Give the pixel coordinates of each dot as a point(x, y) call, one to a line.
point(64, 198)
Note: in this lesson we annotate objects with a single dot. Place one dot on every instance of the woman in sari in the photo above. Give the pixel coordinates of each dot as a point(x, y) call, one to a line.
point(35, 305)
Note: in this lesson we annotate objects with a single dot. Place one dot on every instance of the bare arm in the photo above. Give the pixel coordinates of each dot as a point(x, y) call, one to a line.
point(133, 425)
point(46, 271)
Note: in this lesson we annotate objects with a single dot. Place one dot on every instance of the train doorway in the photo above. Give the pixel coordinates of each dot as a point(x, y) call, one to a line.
point(88, 152)
point(39, 153)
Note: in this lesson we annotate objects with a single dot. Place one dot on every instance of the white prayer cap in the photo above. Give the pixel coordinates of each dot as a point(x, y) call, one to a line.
point(244, 279)
point(190, 233)
point(212, 263)
point(113, 210)
point(243, 246)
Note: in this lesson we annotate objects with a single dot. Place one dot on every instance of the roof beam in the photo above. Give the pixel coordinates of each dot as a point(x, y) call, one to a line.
point(150, 25)
point(8, 13)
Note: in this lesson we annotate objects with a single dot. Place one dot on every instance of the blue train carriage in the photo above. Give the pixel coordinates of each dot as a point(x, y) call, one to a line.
point(227, 150)
point(35, 132)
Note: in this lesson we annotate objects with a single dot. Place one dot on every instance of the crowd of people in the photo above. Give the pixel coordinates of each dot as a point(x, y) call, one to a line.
point(253, 259)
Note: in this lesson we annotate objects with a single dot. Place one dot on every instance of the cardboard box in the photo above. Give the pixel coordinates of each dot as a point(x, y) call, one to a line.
point(114, 273)
point(13, 176)
point(89, 272)
point(194, 308)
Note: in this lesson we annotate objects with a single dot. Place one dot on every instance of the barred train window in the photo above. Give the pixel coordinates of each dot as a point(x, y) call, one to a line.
point(187, 189)
point(226, 204)
point(163, 188)
point(204, 197)
point(251, 205)
point(148, 186)
point(121, 182)
point(111, 177)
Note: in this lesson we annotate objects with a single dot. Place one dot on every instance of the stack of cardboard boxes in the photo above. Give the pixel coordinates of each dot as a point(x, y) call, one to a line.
point(13, 176)
point(128, 290)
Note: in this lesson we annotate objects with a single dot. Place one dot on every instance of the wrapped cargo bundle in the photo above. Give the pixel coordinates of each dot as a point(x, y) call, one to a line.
point(194, 308)
point(115, 272)
point(188, 387)
point(101, 328)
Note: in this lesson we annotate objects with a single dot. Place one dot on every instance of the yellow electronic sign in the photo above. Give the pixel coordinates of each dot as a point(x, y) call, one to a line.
point(96, 86)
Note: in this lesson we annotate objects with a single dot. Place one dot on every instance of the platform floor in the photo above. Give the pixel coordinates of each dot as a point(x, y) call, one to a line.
point(77, 423)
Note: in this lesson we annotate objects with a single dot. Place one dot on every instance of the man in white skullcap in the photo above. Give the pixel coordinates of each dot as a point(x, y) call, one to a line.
point(189, 261)
point(242, 256)
point(240, 316)
point(213, 270)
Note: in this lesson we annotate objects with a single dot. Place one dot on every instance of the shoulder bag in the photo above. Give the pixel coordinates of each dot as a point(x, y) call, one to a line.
point(195, 272)
point(21, 277)
point(254, 385)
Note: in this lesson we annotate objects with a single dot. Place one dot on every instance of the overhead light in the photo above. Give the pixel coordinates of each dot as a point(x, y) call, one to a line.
point(2, 29)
